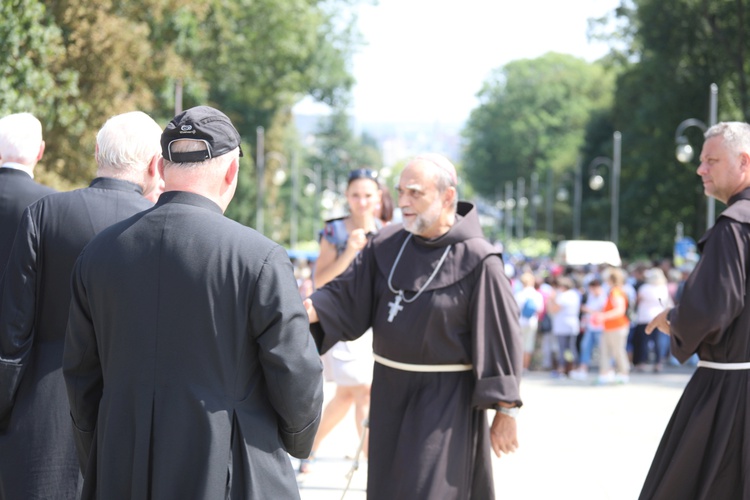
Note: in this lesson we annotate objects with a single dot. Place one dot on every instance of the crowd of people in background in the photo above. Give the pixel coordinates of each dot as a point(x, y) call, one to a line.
point(573, 318)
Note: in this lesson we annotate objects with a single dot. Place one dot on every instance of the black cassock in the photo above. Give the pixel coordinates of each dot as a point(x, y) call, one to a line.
point(429, 435)
point(37, 453)
point(705, 450)
point(188, 359)
point(17, 191)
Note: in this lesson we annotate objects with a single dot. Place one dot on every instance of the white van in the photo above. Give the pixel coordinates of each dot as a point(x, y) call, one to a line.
point(584, 252)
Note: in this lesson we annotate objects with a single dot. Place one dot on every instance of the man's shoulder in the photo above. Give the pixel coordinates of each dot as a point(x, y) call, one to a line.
point(212, 226)
point(482, 246)
point(389, 231)
point(20, 186)
point(738, 211)
point(477, 251)
point(725, 227)
point(43, 190)
point(87, 198)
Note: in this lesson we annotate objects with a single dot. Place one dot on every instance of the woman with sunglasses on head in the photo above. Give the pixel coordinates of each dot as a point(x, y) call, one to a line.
point(348, 364)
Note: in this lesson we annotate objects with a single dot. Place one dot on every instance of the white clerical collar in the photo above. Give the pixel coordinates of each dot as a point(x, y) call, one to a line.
point(18, 166)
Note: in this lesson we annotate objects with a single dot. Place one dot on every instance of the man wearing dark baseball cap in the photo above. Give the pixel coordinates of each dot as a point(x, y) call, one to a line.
point(212, 378)
point(204, 124)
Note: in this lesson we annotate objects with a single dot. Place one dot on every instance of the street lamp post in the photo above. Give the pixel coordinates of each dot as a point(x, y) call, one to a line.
point(548, 206)
point(259, 165)
point(295, 186)
point(313, 188)
point(562, 193)
point(596, 182)
point(277, 179)
point(522, 202)
point(684, 151)
point(535, 200)
point(577, 196)
point(509, 204)
point(309, 190)
point(178, 96)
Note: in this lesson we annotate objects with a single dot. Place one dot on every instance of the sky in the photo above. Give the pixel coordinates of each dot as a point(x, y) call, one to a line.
point(425, 60)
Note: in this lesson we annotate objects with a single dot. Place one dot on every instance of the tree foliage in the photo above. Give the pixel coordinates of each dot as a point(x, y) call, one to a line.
point(78, 63)
point(260, 56)
point(540, 115)
point(532, 117)
point(33, 76)
point(676, 50)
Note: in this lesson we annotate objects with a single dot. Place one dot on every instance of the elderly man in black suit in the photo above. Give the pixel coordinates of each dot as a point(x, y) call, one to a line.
point(37, 452)
point(189, 364)
point(21, 147)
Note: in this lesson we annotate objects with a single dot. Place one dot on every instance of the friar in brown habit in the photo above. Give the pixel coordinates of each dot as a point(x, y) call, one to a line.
point(705, 449)
point(447, 342)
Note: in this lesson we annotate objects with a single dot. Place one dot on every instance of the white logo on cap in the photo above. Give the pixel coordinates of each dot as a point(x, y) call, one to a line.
point(186, 127)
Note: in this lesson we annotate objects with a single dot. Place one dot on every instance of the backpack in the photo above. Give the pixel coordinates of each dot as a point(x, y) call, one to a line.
point(529, 308)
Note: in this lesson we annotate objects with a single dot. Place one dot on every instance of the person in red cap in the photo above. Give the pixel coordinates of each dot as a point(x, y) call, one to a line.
point(446, 337)
point(189, 365)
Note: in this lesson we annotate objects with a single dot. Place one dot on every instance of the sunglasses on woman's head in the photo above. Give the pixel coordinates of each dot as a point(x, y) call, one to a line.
point(362, 173)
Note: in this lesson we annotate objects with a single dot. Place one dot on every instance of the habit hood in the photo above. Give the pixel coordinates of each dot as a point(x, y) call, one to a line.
point(420, 256)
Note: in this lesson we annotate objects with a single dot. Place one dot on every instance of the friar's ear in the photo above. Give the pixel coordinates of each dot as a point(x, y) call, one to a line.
point(450, 196)
point(745, 162)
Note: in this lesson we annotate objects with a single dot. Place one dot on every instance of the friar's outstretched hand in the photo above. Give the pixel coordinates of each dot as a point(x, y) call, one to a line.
point(661, 321)
point(312, 314)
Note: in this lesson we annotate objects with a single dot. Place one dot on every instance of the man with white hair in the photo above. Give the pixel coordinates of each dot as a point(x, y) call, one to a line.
point(37, 451)
point(21, 147)
point(188, 359)
point(446, 339)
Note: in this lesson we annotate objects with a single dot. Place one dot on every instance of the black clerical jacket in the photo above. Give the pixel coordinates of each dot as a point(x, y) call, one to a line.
point(17, 191)
point(37, 452)
point(189, 364)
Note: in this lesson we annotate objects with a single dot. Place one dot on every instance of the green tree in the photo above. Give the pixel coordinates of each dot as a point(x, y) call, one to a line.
point(259, 57)
point(671, 53)
point(110, 47)
point(33, 76)
point(83, 62)
point(78, 63)
point(532, 117)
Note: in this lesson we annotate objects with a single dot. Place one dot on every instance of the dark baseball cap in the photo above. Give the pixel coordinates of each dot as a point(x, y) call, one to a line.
point(201, 123)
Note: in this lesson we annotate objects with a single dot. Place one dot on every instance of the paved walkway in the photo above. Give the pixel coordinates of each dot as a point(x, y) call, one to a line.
point(577, 441)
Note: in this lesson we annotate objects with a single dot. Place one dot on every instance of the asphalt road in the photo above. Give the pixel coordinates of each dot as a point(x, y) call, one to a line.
point(578, 441)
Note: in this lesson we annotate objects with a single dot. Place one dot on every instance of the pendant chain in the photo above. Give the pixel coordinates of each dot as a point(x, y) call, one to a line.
point(429, 280)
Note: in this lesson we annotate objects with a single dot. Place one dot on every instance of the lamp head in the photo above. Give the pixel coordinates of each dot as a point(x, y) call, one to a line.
point(683, 151)
point(279, 178)
point(596, 182)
